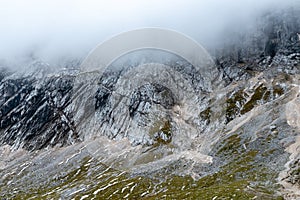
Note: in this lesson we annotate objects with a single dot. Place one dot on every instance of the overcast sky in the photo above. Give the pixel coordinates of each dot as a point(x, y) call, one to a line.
point(54, 29)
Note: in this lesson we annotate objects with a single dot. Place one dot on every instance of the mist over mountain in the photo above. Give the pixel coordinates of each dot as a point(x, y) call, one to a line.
point(151, 125)
point(60, 31)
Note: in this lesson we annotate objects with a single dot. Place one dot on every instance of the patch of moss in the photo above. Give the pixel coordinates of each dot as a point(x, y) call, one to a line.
point(233, 105)
point(205, 115)
point(166, 129)
point(245, 162)
point(231, 146)
point(255, 98)
point(51, 189)
point(267, 96)
point(277, 91)
point(238, 103)
point(295, 175)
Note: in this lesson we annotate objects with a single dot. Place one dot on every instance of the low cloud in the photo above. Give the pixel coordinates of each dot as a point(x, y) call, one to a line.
point(64, 29)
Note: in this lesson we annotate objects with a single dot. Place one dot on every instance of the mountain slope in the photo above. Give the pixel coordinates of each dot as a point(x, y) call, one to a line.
point(79, 135)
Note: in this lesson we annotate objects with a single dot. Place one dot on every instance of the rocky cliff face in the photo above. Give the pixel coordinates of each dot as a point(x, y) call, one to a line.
point(271, 44)
point(120, 134)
